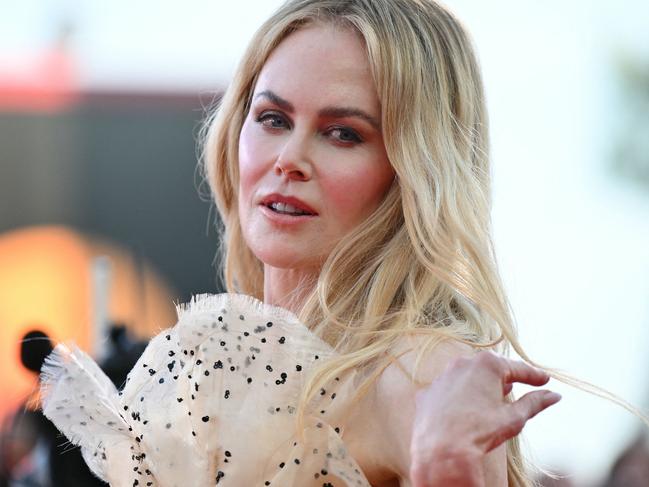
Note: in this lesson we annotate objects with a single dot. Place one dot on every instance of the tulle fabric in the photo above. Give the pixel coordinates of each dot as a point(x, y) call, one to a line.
point(212, 401)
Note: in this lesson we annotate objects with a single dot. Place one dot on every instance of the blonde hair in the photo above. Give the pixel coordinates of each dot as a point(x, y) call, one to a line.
point(424, 261)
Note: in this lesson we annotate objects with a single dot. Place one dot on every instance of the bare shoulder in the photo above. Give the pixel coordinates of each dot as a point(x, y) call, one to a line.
point(413, 365)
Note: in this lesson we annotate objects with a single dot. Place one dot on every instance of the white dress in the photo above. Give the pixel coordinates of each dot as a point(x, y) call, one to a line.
point(212, 401)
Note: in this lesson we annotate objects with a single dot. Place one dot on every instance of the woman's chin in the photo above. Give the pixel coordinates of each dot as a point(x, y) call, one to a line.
point(287, 256)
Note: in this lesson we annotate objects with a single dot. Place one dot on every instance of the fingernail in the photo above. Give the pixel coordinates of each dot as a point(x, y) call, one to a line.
point(553, 396)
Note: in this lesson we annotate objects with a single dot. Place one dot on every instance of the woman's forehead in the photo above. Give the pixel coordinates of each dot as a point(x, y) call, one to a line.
point(320, 63)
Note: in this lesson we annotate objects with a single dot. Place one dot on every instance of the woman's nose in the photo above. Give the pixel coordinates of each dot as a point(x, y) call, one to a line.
point(293, 162)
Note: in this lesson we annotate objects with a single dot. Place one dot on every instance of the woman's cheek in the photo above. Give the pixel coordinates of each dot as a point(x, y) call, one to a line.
point(346, 196)
point(254, 157)
point(367, 185)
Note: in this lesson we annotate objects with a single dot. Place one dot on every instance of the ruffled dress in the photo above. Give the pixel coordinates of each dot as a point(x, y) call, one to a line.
point(212, 401)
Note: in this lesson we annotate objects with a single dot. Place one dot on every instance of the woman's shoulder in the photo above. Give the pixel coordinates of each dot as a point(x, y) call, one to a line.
point(416, 360)
point(413, 362)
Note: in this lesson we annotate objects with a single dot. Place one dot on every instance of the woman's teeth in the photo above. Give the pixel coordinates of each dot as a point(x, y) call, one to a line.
point(287, 209)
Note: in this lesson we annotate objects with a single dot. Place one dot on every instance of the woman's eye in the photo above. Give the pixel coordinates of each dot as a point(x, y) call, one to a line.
point(345, 135)
point(272, 121)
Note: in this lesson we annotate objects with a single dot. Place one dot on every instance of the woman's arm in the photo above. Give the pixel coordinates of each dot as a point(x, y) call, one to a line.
point(452, 432)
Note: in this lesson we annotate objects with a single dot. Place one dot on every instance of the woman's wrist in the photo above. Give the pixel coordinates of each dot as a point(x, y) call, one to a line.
point(447, 465)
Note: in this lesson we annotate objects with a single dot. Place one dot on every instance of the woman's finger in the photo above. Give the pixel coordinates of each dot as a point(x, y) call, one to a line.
point(517, 371)
point(518, 413)
point(532, 404)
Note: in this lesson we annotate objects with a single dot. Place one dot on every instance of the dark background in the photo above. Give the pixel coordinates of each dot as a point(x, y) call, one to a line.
point(121, 166)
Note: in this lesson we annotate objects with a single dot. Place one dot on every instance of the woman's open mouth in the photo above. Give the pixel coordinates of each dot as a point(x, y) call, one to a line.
point(286, 209)
point(283, 214)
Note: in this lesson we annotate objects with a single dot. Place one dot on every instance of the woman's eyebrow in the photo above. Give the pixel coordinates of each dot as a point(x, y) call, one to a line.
point(277, 100)
point(344, 112)
point(333, 112)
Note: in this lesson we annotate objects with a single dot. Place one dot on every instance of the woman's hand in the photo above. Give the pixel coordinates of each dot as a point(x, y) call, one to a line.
point(463, 415)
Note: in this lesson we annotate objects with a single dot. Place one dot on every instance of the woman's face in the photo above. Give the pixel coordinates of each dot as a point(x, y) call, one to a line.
point(312, 162)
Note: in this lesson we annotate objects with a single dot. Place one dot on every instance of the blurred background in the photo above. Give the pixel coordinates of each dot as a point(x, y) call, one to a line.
point(105, 222)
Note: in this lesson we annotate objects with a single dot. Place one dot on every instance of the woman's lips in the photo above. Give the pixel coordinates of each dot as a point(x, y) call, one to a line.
point(284, 218)
point(289, 200)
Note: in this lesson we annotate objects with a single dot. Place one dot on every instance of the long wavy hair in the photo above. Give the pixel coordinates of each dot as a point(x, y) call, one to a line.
point(424, 261)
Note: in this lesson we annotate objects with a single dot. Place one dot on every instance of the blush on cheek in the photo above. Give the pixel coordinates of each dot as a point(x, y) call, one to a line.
point(246, 151)
point(249, 166)
point(257, 155)
point(361, 193)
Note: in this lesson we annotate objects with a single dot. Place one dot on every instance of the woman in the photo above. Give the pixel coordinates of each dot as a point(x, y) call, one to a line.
point(349, 162)
point(400, 189)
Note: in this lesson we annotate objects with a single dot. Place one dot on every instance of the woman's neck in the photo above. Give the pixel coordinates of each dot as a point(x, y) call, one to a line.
point(288, 288)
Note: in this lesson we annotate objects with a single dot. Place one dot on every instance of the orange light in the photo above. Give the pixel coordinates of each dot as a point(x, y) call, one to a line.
point(46, 283)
